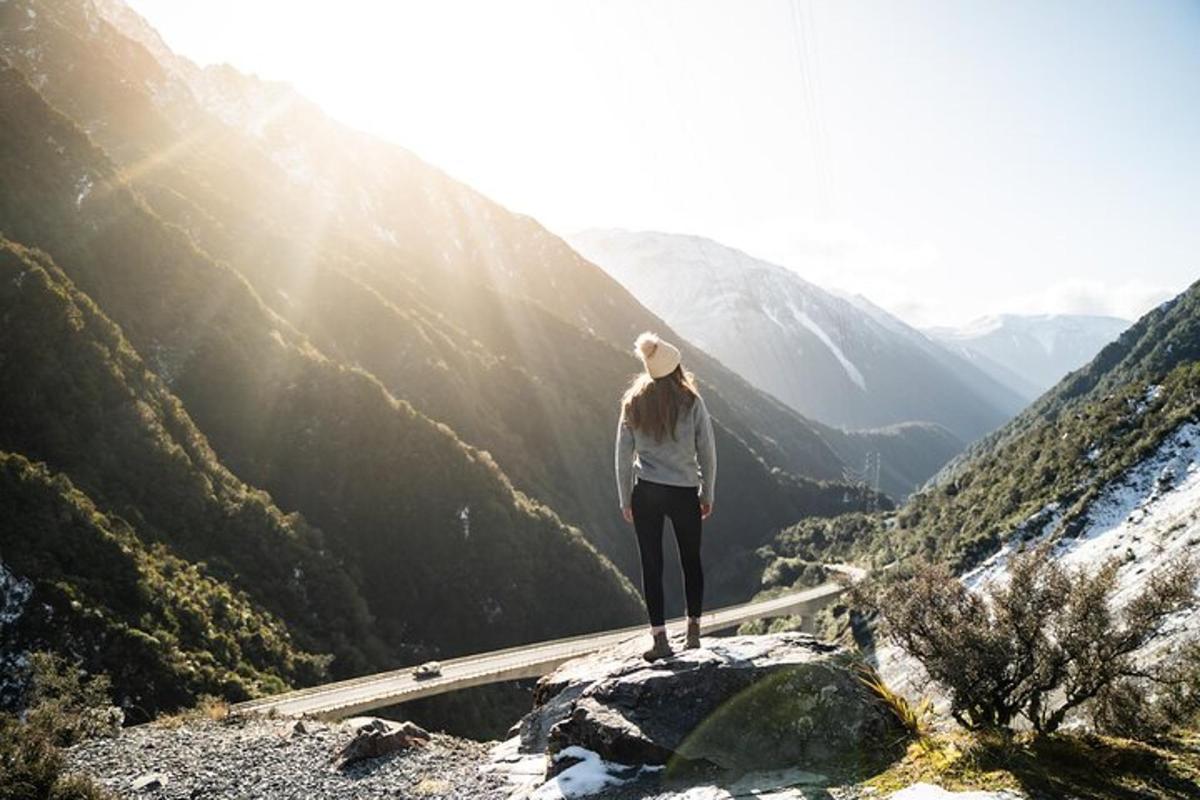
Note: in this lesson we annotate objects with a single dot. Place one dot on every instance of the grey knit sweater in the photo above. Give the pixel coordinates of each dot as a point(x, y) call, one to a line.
point(688, 459)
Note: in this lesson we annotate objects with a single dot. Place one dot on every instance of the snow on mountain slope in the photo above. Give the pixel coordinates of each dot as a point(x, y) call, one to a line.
point(815, 329)
point(1148, 518)
point(1031, 353)
point(840, 360)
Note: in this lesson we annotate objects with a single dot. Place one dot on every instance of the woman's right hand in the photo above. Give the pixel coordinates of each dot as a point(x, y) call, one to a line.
point(627, 513)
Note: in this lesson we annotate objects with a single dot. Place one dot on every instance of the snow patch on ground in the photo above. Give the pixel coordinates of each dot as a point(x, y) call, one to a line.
point(594, 777)
point(14, 594)
point(793, 784)
point(83, 187)
point(523, 771)
point(1153, 392)
point(1036, 528)
point(589, 776)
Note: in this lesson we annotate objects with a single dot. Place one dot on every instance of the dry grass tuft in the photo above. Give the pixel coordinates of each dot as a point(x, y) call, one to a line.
point(916, 719)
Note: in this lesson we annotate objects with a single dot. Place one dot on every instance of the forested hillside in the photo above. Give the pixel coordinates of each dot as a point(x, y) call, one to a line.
point(365, 467)
point(478, 317)
point(79, 398)
point(166, 631)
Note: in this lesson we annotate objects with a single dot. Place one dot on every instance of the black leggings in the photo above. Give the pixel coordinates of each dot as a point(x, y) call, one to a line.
point(652, 502)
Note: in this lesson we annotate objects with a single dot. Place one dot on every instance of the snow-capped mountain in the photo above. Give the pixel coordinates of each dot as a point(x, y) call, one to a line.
point(840, 360)
point(1029, 354)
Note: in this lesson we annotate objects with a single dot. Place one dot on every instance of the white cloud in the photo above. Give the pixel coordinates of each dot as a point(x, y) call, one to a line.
point(1129, 299)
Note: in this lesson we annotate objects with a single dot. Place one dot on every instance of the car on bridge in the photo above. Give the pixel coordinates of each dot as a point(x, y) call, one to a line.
point(430, 669)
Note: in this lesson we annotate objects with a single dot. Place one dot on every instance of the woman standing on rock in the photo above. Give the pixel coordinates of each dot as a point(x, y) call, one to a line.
point(666, 467)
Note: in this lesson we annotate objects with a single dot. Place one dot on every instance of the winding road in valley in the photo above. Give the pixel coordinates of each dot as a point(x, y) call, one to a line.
point(359, 695)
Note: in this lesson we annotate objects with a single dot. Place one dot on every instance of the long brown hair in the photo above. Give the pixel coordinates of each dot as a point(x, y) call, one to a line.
point(652, 405)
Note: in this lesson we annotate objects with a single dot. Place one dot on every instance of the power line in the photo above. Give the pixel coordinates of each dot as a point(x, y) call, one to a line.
point(804, 41)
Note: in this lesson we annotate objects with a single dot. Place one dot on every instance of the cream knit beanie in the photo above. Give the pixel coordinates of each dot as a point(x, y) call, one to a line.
point(660, 358)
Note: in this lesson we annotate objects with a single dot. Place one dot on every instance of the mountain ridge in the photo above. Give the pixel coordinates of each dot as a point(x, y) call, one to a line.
point(1031, 352)
point(814, 349)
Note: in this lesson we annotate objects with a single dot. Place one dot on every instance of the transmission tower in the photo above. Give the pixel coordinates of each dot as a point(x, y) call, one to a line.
point(866, 478)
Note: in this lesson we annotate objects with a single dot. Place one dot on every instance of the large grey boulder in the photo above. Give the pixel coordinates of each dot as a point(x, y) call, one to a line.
point(376, 737)
point(743, 703)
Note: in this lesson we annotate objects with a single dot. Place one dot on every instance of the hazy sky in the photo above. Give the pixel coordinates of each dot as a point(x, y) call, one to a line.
point(946, 159)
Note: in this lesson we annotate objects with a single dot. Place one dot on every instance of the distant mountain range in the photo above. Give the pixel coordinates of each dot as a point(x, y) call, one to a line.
point(1110, 445)
point(839, 360)
point(1029, 354)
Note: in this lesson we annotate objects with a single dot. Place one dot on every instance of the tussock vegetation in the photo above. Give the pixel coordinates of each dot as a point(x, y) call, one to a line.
point(207, 708)
point(916, 718)
point(1061, 765)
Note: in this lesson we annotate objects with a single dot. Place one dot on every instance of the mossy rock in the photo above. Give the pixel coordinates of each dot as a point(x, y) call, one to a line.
point(742, 703)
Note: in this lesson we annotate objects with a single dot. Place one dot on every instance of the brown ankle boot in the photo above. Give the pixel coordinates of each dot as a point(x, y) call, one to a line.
point(693, 635)
point(660, 649)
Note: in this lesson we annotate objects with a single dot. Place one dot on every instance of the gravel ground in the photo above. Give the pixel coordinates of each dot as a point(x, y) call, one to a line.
point(271, 760)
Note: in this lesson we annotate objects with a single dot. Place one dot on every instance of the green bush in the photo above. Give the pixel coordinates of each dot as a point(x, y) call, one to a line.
point(64, 707)
point(67, 704)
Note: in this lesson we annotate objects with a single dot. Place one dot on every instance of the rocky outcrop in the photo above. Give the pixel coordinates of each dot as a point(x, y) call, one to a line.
point(376, 737)
point(744, 703)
